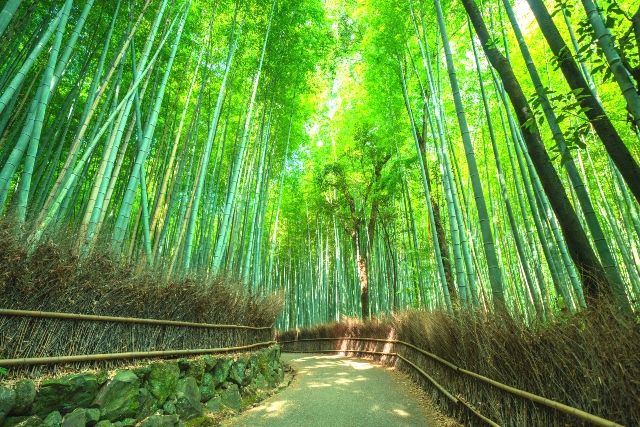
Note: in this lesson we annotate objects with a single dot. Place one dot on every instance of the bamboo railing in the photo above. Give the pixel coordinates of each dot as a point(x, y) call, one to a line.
point(139, 321)
point(55, 360)
point(26, 362)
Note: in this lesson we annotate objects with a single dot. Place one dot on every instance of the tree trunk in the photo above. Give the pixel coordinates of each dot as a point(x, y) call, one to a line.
point(620, 73)
point(593, 224)
point(635, 22)
point(582, 254)
point(144, 146)
point(223, 235)
point(213, 129)
point(363, 275)
point(444, 252)
point(612, 141)
point(7, 13)
point(495, 274)
point(20, 76)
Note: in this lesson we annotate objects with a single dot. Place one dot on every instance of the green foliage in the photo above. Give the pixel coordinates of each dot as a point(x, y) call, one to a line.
point(567, 107)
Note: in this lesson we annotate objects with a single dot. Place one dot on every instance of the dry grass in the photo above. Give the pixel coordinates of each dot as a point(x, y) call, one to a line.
point(589, 361)
point(52, 277)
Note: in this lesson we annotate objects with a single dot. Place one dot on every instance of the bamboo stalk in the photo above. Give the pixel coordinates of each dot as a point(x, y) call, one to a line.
point(561, 407)
point(120, 356)
point(93, 317)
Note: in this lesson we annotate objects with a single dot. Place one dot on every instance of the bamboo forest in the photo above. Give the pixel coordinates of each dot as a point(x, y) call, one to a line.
point(458, 177)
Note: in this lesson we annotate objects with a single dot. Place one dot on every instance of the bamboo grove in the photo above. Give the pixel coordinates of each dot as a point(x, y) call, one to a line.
point(355, 156)
point(157, 124)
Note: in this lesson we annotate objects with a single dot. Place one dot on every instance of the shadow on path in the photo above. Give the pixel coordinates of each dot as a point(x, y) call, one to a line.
point(338, 391)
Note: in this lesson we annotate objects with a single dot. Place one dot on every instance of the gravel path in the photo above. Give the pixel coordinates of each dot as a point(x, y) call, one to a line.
point(342, 392)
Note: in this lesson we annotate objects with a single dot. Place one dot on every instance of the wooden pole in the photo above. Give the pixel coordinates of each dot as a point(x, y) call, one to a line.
point(92, 317)
point(121, 356)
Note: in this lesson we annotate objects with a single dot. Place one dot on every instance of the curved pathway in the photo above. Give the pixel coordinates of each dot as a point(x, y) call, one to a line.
point(340, 391)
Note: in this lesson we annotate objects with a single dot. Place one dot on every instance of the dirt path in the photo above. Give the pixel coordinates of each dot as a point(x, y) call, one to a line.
point(340, 391)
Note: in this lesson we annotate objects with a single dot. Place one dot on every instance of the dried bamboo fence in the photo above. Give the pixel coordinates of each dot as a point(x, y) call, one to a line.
point(504, 405)
point(34, 342)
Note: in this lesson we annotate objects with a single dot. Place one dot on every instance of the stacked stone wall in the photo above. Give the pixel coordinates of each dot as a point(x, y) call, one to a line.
point(162, 393)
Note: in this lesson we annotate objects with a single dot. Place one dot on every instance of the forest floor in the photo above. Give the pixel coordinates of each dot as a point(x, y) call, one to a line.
point(343, 391)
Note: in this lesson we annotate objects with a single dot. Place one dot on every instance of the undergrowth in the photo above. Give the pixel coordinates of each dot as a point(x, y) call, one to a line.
point(51, 276)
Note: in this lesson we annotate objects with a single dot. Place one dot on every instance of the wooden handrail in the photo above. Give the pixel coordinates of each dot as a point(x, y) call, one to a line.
point(6, 363)
point(97, 318)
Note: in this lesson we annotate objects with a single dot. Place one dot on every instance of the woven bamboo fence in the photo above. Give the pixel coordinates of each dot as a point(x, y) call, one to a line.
point(35, 342)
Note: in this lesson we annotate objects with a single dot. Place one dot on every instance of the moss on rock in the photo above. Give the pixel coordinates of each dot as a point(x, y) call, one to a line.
point(7, 401)
point(161, 394)
point(163, 379)
point(65, 394)
point(54, 419)
point(118, 399)
point(25, 395)
point(221, 372)
point(188, 404)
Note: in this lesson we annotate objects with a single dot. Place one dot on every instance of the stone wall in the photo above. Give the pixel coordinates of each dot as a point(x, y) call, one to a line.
point(160, 393)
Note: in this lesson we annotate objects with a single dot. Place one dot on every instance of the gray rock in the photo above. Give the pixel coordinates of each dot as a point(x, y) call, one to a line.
point(80, 417)
point(93, 416)
point(196, 369)
point(102, 376)
point(127, 422)
point(77, 418)
point(251, 370)
point(252, 394)
point(12, 421)
point(260, 382)
point(118, 398)
point(163, 379)
point(230, 396)
point(214, 404)
point(183, 364)
point(238, 372)
point(25, 395)
point(279, 375)
point(262, 362)
point(7, 401)
point(221, 372)
point(253, 360)
point(276, 373)
point(65, 394)
point(188, 399)
point(142, 371)
point(207, 387)
point(147, 404)
point(210, 363)
point(160, 421)
point(54, 419)
point(169, 407)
